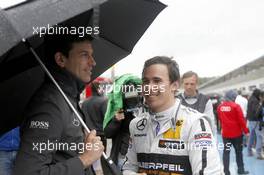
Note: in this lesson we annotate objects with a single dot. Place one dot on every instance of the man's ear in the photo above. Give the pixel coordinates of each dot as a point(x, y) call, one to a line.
point(60, 59)
point(175, 86)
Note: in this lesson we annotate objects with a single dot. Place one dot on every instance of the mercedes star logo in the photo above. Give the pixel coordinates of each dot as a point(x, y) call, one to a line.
point(141, 124)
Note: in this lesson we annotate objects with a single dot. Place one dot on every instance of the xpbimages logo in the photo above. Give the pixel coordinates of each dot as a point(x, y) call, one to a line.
point(60, 146)
point(146, 89)
point(61, 30)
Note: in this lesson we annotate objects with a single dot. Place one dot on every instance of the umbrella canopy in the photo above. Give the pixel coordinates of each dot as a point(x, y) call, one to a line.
point(121, 24)
point(20, 73)
point(19, 21)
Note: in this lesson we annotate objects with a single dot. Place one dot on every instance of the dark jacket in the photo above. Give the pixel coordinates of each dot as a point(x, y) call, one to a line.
point(51, 133)
point(94, 109)
point(253, 109)
point(119, 132)
point(10, 140)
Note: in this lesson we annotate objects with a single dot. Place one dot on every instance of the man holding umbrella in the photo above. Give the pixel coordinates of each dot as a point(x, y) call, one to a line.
point(52, 138)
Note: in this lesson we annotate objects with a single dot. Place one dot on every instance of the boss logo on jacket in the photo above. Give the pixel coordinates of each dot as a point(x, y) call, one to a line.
point(39, 124)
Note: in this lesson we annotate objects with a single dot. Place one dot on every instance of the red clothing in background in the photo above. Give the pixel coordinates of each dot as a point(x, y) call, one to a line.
point(231, 117)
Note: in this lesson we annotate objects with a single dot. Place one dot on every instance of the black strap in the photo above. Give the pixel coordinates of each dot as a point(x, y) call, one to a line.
point(202, 125)
point(204, 161)
point(204, 151)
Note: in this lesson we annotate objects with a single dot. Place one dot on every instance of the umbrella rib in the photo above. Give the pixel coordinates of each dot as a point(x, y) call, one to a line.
point(118, 45)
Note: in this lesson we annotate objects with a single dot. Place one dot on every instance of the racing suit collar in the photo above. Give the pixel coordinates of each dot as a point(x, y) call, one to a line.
point(164, 118)
point(167, 114)
point(159, 116)
point(69, 83)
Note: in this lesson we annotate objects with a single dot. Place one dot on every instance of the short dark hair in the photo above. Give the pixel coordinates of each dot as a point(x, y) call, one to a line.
point(172, 66)
point(61, 43)
point(190, 74)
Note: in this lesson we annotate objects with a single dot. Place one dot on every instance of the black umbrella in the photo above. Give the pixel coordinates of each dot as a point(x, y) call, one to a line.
point(20, 73)
point(23, 19)
point(16, 34)
point(121, 23)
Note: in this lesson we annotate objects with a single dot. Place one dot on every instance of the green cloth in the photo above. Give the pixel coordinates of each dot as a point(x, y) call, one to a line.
point(115, 102)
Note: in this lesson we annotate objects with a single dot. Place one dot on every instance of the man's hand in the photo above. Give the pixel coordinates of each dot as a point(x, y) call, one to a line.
point(119, 115)
point(93, 149)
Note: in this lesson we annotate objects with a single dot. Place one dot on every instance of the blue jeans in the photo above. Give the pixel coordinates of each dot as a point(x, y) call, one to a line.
point(254, 129)
point(260, 139)
point(7, 159)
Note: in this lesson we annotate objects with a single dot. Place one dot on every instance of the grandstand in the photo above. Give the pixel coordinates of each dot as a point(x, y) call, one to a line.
point(245, 78)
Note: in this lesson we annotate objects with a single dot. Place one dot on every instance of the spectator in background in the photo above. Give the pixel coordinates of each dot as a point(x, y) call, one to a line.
point(253, 117)
point(122, 104)
point(118, 130)
point(94, 109)
point(231, 116)
point(242, 101)
point(193, 99)
point(216, 101)
point(261, 127)
point(9, 144)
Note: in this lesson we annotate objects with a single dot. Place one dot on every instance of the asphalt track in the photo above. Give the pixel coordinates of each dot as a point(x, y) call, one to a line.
point(252, 164)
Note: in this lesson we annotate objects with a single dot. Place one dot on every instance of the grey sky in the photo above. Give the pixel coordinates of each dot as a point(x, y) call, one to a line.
point(211, 37)
point(8, 3)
